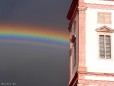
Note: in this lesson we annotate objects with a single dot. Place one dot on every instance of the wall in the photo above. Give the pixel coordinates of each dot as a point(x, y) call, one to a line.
point(76, 33)
point(100, 2)
point(73, 68)
point(93, 62)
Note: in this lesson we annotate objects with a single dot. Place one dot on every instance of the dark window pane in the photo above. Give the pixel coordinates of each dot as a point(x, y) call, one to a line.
point(108, 46)
point(101, 46)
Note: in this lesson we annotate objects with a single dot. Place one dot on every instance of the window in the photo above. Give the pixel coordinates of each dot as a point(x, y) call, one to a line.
point(73, 43)
point(104, 35)
point(105, 46)
point(104, 17)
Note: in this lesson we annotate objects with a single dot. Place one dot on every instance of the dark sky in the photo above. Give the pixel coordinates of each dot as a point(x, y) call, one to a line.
point(44, 12)
point(28, 65)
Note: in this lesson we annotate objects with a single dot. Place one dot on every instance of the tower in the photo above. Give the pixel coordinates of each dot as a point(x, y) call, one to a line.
point(91, 27)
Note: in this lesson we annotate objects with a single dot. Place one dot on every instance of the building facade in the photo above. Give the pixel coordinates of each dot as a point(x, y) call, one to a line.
point(91, 30)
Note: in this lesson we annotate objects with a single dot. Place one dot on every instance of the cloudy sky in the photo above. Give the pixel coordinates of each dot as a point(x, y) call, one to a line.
point(42, 64)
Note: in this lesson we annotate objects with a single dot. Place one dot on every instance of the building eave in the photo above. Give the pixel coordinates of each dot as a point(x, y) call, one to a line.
point(72, 9)
point(74, 80)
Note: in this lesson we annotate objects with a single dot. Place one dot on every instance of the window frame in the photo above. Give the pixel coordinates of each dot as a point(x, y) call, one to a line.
point(109, 34)
point(103, 16)
point(105, 30)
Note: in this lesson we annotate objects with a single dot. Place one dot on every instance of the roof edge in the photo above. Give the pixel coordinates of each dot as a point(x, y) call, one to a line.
point(72, 9)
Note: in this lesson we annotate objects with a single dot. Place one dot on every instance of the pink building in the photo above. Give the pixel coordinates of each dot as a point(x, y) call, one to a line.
point(91, 27)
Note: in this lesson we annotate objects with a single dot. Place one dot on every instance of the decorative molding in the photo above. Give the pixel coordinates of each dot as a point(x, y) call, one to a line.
point(82, 78)
point(105, 29)
point(97, 74)
point(100, 6)
point(82, 8)
point(104, 17)
point(82, 69)
point(86, 82)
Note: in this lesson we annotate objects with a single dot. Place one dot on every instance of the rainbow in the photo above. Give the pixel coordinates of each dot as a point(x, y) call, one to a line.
point(32, 35)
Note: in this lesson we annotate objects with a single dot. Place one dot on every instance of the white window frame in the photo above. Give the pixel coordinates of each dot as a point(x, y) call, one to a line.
point(105, 33)
point(105, 30)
